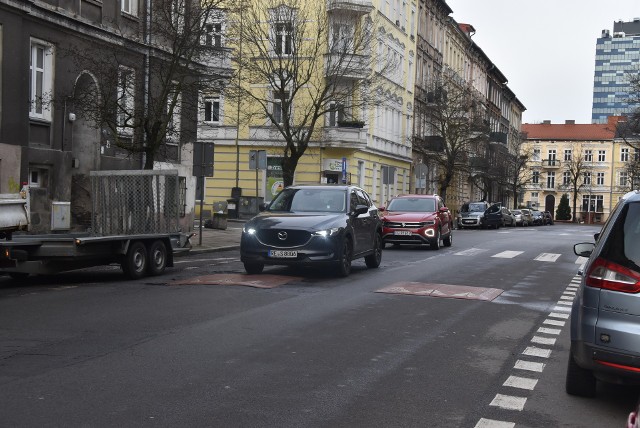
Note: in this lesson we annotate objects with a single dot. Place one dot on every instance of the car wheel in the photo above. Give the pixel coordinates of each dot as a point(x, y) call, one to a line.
point(435, 244)
point(253, 268)
point(373, 260)
point(580, 382)
point(344, 265)
point(448, 240)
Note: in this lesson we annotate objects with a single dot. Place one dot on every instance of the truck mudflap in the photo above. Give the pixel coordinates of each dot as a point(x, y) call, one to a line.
point(183, 244)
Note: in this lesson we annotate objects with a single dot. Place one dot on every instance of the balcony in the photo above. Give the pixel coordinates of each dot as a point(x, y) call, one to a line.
point(479, 165)
point(432, 143)
point(358, 7)
point(347, 66)
point(217, 59)
point(345, 136)
point(551, 163)
point(498, 137)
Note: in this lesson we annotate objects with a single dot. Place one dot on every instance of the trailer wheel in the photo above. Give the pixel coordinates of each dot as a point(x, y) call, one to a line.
point(157, 258)
point(135, 262)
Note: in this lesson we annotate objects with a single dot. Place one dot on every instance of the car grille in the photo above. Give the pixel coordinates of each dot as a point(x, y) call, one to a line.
point(406, 225)
point(292, 238)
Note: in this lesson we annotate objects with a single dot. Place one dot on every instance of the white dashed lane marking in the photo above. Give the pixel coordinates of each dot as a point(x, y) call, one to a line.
point(509, 402)
point(490, 423)
point(521, 382)
point(556, 318)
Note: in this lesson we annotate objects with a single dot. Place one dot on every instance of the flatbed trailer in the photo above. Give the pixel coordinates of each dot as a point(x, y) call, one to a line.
point(134, 224)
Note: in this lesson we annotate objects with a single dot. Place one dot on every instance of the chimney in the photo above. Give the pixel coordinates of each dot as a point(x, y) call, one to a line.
point(546, 122)
point(569, 122)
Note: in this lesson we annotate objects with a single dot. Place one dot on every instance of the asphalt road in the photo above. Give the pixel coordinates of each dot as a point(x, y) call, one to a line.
point(304, 349)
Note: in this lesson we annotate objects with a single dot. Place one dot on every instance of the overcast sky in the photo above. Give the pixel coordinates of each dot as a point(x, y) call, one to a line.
point(545, 48)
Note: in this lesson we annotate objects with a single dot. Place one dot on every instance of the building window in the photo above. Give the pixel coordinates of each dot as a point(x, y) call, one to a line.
point(602, 156)
point(336, 113)
point(636, 154)
point(40, 80)
point(535, 177)
point(552, 156)
point(600, 178)
point(536, 154)
point(588, 155)
point(623, 178)
point(566, 178)
point(212, 109)
point(586, 178)
point(129, 6)
point(567, 154)
point(277, 112)
point(283, 38)
point(593, 203)
point(551, 180)
point(624, 154)
point(125, 101)
point(38, 176)
point(213, 29)
point(173, 119)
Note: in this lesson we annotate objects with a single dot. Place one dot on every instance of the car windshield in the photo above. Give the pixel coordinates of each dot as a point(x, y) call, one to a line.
point(474, 208)
point(516, 212)
point(310, 200)
point(413, 205)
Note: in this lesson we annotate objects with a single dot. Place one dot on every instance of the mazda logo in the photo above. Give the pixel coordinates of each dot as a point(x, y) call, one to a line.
point(282, 235)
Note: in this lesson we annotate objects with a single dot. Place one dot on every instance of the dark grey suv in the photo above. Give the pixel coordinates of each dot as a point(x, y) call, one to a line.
point(314, 225)
point(605, 317)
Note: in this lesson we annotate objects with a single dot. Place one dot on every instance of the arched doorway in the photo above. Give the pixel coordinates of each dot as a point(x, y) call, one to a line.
point(550, 204)
point(84, 137)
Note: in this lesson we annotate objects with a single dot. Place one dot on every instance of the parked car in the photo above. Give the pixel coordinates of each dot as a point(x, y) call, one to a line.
point(518, 215)
point(417, 220)
point(314, 225)
point(605, 316)
point(498, 216)
point(473, 214)
point(548, 218)
point(527, 218)
point(538, 218)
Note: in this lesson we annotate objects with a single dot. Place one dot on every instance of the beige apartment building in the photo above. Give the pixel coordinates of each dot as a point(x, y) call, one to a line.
point(557, 151)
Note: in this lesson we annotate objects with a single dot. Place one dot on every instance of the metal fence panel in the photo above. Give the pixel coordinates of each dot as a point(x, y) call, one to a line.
point(135, 202)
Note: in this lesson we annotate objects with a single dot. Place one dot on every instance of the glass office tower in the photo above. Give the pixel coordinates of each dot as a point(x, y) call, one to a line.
point(617, 55)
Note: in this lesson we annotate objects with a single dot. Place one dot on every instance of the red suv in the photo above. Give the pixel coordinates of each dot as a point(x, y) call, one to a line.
point(417, 220)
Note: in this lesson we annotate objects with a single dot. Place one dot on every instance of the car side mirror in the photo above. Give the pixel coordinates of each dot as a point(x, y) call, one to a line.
point(596, 236)
point(584, 249)
point(444, 209)
point(360, 209)
point(263, 206)
point(382, 208)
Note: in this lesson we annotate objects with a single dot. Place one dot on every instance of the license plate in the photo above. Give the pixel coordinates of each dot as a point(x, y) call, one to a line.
point(283, 254)
point(468, 221)
point(402, 232)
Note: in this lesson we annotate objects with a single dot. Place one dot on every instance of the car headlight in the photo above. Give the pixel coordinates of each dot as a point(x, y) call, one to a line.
point(248, 230)
point(327, 232)
point(429, 222)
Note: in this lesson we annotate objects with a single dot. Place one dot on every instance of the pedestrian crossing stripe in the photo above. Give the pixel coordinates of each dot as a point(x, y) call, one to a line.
point(508, 254)
point(547, 257)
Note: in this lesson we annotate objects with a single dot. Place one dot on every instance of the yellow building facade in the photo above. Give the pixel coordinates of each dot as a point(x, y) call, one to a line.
point(555, 149)
point(373, 150)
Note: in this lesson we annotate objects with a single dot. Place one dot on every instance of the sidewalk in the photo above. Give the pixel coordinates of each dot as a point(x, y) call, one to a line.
point(217, 239)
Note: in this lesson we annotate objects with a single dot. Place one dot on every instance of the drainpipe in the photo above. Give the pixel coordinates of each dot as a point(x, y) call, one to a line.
point(147, 55)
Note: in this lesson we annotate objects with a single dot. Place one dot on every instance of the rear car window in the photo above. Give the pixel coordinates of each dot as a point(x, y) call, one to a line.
point(623, 243)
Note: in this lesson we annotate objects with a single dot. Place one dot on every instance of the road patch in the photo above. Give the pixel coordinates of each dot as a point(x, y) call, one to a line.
point(256, 281)
point(442, 290)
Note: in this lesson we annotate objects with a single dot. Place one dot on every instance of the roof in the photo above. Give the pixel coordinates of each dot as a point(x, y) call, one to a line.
point(570, 131)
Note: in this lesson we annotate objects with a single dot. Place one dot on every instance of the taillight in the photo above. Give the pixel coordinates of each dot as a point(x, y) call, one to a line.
point(612, 276)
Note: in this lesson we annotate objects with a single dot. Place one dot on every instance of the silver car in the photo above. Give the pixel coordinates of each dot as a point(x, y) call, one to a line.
point(605, 317)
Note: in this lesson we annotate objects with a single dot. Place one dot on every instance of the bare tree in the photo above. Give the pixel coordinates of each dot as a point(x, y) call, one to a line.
point(296, 63)
point(579, 168)
point(518, 174)
point(457, 132)
point(144, 86)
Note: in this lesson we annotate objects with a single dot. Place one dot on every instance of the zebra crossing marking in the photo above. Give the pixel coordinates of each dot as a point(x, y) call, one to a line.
point(508, 254)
